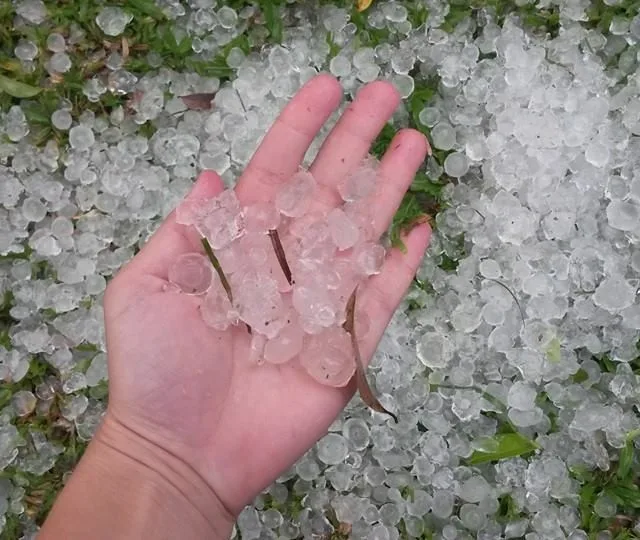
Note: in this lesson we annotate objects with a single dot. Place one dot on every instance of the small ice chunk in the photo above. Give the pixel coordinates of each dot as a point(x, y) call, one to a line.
point(340, 66)
point(26, 50)
point(356, 431)
point(593, 416)
point(47, 246)
point(259, 302)
point(472, 517)
point(261, 217)
point(314, 305)
point(72, 407)
point(254, 250)
point(59, 62)
point(61, 119)
point(605, 506)
point(286, 345)
point(97, 370)
point(294, 197)
point(216, 309)
point(614, 294)
point(434, 350)
point(33, 11)
point(56, 42)
point(316, 243)
point(219, 219)
point(24, 402)
point(475, 489)
point(429, 116)
point(33, 209)
point(344, 232)
point(230, 258)
point(332, 449)
point(597, 154)
point(443, 136)
point(490, 269)
point(369, 258)
point(328, 357)
point(113, 20)
point(623, 215)
point(62, 227)
point(522, 396)
point(559, 225)
point(360, 183)
point(227, 17)
point(456, 164)
point(192, 273)
point(81, 138)
point(74, 382)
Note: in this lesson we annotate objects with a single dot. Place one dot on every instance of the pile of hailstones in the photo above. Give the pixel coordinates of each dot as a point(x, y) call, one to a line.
point(298, 317)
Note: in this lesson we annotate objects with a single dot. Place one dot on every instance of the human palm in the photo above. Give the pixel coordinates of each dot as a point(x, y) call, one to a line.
point(191, 390)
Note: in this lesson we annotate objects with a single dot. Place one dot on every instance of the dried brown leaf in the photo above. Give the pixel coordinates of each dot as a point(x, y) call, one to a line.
point(280, 255)
point(134, 100)
point(125, 48)
point(198, 102)
point(364, 389)
point(361, 5)
point(216, 264)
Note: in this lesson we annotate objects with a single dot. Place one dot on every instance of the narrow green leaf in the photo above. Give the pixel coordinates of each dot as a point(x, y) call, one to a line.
point(184, 47)
point(408, 214)
point(273, 20)
point(628, 496)
point(633, 434)
point(625, 461)
point(585, 504)
point(422, 184)
point(17, 89)
point(148, 7)
point(580, 376)
point(503, 446)
point(379, 146)
point(553, 351)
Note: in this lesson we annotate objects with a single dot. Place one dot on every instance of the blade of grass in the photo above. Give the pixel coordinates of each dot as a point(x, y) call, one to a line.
point(524, 323)
point(503, 446)
point(17, 89)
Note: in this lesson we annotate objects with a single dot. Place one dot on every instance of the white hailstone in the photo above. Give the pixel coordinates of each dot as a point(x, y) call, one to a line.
point(113, 20)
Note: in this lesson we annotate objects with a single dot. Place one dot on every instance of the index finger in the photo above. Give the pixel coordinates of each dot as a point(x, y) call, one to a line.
point(283, 149)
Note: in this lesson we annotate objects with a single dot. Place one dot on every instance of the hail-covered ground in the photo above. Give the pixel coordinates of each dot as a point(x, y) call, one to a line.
point(512, 365)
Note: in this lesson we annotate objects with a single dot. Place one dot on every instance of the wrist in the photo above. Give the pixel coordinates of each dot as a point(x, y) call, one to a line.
point(168, 477)
point(126, 486)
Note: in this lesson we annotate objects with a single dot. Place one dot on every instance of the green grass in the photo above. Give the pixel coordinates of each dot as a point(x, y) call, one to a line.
point(620, 483)
point(150, 31)
point(508, 510)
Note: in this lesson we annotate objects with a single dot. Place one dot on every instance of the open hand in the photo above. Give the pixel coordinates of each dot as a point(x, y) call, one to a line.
point(191, 391)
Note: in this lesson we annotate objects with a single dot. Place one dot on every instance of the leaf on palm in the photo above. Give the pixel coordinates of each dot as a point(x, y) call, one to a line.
point(280, 255)
point(364, 389)
point(216, 264)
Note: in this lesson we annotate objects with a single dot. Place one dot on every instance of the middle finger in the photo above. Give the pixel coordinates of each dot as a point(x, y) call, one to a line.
point(350, 139)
